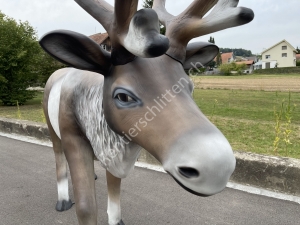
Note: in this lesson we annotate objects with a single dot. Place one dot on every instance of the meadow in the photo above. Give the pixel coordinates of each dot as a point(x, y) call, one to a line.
point(242, 107)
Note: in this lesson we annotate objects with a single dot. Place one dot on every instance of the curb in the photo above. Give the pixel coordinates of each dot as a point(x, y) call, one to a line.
point(268, 172)
point(25, 128)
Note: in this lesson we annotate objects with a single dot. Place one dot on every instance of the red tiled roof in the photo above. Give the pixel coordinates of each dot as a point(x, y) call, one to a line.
point(249, 62)
point(99, 38)
point(226, 56)
point(298, 57)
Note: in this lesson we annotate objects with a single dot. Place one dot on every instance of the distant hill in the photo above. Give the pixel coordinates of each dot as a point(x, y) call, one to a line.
point(237, 51)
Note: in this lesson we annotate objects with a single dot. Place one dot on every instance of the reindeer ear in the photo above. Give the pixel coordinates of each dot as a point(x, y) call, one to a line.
point(199, 53)
point(76, 50)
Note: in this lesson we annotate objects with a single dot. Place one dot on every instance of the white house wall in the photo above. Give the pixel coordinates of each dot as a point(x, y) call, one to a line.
point(275, 54)
point(272, 64)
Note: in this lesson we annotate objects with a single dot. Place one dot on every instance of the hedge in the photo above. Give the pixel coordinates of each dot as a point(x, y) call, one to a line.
point(284, 70)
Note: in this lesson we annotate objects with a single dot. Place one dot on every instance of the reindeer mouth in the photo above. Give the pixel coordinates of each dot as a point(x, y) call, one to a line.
point(186, 188)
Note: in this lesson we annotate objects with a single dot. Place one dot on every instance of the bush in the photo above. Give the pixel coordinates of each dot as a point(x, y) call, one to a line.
point(285, 70)
point(227, 69)
point(195, 72)
point(298, 63)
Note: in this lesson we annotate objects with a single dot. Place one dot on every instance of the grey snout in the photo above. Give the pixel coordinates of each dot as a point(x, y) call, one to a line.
point(201, 164)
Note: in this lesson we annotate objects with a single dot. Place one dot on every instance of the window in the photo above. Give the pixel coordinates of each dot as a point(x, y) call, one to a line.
point(284, 54)
point(103, 46)
point(268, 56)
point(284, 47)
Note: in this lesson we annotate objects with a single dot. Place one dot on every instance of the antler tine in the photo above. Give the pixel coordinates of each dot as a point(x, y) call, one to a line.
point(131, 33)
point(198, 8)
point(191, 24)
point(226, 14)
point(124, 11)
point(102, 11)
point(164, 16)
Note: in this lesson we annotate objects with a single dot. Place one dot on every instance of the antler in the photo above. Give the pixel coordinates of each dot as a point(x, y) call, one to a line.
point(132, 33)
point(192, 23)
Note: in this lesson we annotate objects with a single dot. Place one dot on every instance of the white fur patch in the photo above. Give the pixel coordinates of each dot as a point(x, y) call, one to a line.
point(53, 106)
point(63, 189)
point(110, 148)
point(113, 212)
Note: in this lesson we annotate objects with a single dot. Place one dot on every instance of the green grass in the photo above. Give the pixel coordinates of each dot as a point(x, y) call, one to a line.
point(249, 105)
point(245, 117)
point(31, 110)
point(251, 76)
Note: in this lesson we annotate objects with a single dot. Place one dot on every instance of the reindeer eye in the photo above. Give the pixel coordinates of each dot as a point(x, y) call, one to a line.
point(124, 98)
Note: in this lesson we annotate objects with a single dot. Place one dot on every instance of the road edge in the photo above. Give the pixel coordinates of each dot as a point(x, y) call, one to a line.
point(268, 172)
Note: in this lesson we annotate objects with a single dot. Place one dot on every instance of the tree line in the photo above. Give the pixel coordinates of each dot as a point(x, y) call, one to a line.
point(237, 51)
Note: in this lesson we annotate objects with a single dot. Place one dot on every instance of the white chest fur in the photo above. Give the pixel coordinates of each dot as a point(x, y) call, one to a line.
point(53, 105)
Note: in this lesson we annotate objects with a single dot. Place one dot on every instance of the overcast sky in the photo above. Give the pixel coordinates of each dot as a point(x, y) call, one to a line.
point(274, 21)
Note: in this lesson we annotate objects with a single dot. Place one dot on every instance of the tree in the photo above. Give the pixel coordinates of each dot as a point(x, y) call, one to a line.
point(19, 51)
point(22, 61)
point(298, 50)
point(219, 59)
point(47, 66)
point(213, 63)
point(237, 51)
point(211, 40)
point(148, 4)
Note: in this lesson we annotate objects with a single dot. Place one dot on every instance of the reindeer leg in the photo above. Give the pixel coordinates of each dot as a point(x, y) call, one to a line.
point(64, 203)
point(113, 205)
point(80, 158)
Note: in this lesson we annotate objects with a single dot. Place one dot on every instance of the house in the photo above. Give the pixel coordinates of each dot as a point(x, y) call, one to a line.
point(227, 57)
point(103, 40)
point(240, 59)
point(254, 58)
point(282, 54)
point(249, 64)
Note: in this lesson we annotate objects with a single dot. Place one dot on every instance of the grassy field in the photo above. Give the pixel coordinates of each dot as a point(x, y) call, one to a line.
point(243, 107)
point(246, 117)
point(290, 82)
point(32, 110)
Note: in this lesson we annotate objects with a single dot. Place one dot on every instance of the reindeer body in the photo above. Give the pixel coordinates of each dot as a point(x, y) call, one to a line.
point(142, 95)
point(117, 157)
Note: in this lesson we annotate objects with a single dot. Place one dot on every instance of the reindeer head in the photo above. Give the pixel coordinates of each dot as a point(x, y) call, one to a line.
point(147, 94)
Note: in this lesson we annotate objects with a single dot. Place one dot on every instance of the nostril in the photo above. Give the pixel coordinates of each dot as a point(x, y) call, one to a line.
point(188, 172)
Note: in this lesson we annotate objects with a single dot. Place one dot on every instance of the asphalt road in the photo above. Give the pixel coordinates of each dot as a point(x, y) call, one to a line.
point(28, 196)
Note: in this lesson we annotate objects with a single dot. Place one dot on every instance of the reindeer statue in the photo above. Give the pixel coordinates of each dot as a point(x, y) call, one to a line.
point(114, 104)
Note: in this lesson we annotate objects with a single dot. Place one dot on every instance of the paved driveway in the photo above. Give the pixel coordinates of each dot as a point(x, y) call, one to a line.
point(28, 196)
